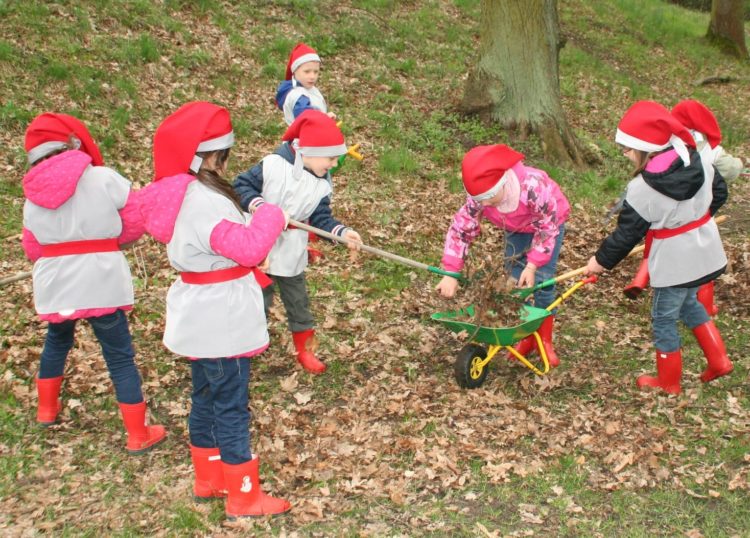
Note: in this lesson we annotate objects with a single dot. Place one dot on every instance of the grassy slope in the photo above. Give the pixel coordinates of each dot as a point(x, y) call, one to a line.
point(386, 442)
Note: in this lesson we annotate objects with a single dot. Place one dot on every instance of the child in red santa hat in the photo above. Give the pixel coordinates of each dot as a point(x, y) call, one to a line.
point(296, 177)
point(77, 215)
point(530, 207)
point(702, 124)
point(215, 307)
point(299, 91)
point(670, 203)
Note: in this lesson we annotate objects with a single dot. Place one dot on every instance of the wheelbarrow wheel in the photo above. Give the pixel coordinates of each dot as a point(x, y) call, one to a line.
point(468, 368)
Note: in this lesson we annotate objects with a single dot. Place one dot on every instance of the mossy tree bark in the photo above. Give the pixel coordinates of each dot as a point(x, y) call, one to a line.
point(516, 80)
point(727, 26)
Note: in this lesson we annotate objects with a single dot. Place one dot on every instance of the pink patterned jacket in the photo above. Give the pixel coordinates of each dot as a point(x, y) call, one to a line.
point(541, 210)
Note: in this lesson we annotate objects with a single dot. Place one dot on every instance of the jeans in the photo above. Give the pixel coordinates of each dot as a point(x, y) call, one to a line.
point(113, 334)
point(517, 244)
point(293, 291)
point(219, 415)
point(669, 305)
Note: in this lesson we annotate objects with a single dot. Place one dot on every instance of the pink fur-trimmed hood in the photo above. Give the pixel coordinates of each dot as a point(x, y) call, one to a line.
point(52, 182)
point(160, 203)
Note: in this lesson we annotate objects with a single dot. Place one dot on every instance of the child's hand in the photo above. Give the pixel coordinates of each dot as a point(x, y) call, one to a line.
point(264, 265)
point(354, 239)
point(286, 218)
point(526, 280)
point(593, 267)
point(447, 286)
point(331, 115)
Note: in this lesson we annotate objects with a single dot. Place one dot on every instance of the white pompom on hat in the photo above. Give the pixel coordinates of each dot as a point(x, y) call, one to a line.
point(648, 126)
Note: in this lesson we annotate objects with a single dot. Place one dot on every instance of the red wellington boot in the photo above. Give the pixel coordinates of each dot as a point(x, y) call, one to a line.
point(209, 474)
point(141, 437)
point(50, 404)
point(245, 498)
point(639, 282)
point(545, 331)
point(706, 298)
point(713, 348)
point(668, 372)
point(305, 343)
point(524, 347)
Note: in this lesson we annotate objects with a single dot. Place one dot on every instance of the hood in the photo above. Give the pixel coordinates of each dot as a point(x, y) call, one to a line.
point(678, 182)
point(281, 92)
point(160, 203)
point(53, 181)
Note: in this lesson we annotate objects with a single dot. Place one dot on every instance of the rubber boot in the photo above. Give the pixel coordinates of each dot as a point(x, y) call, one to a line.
point(305, 343)
point(545, 331)
point(50, 404)
point(639, 282)
point(706, 298)
point(245, 498)
point(209, 474)
point(524, 347)
point(313, 254)
point(668, 372)
point(141, 437)
point(713, 348)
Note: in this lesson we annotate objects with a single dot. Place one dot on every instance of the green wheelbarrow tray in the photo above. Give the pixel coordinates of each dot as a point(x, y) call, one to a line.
point(531, 319)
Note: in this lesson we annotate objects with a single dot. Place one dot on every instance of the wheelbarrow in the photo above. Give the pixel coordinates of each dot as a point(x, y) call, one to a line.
point(470, 367)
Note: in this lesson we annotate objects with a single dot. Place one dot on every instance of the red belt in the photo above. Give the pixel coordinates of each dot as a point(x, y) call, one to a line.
point(79, 247)
point(225, 275)
point(666, 233)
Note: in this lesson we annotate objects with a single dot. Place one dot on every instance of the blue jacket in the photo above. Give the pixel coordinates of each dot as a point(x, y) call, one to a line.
point(249, 187)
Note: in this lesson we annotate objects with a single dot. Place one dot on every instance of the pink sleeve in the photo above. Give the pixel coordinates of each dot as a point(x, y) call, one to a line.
point(30, 245)
point(462, 232)
point(133, 224)
point(249, 244)
point(541, 200)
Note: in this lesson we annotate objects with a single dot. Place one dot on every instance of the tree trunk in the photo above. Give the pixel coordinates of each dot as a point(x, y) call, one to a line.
point(515, 81)
point(727, 26)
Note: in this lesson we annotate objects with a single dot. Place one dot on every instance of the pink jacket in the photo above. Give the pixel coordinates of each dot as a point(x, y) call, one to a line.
point(541, 210)
point(52, 183)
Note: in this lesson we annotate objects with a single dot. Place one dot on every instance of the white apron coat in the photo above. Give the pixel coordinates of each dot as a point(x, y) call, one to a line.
point(210, 320)
point(299, 198)
point(63, 284)
point(690, 255)
point(316, 101)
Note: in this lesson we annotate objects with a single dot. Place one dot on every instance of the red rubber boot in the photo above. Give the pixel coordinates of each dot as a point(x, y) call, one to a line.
point(524, 347)
point(713, 348)
point(639, 282)
point(545, 331)
point(245, 498)
point(140, 436)
point(313, 254)
point(305, 344)
point(50, 404)
point(668, 373)
point(705, 297)
point(209, 474)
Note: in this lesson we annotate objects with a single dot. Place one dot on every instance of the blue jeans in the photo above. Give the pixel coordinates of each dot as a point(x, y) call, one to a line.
point(219, 415)
point(669, 305)
point(113, 334)
point(516, 246)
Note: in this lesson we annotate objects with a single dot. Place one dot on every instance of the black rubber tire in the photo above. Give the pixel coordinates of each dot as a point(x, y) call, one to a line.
point(465, 369)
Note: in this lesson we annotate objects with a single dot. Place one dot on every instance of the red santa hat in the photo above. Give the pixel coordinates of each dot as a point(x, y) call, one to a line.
point(50, 132)
point(314, 134)
point(486, 169)
point(648, 126)
point(698, 117)
point(300, 54)
point(195, 127)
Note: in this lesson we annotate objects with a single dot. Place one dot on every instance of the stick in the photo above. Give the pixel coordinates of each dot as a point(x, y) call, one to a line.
point(14, 278)
point(376, 251)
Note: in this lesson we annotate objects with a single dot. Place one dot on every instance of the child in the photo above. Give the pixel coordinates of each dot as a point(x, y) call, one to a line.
point(670, 202)
point(296, 178)
point(702, 124)
point(215, 309)
point(530, 207)
point(298, 92)
point(76, 216)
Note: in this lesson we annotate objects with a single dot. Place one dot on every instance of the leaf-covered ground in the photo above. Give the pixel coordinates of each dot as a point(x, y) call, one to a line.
point(385, 443)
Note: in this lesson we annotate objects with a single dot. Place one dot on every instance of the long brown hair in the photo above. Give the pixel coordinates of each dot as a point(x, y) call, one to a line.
point(213, 180)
